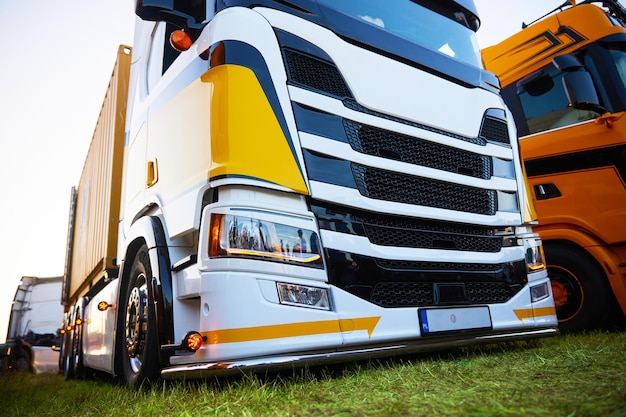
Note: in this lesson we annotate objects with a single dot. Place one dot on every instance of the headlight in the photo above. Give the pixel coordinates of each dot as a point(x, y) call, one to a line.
point(539, 292)
point(303, 295)
point(535, 260)
point(257, 238)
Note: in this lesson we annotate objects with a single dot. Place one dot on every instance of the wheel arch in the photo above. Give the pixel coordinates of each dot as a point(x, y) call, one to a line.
point(149, 231)
point(600, 252)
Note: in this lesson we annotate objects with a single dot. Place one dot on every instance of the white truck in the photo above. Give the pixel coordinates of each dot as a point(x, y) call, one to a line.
point(33, 333)
point(279, 183)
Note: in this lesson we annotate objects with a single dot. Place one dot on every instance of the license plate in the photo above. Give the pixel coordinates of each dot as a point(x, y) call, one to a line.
point(436, 320)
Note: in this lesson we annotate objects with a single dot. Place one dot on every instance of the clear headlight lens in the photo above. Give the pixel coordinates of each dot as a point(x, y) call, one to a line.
point(539, 292)
point(303, 295)
point(535, 260)
point(246, 236)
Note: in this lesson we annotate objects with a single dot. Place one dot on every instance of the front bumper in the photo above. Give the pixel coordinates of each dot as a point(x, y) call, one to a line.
point(297, 360)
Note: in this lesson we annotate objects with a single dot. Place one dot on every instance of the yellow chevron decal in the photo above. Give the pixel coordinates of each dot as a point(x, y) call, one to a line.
point(529, 313)
point(276, 331)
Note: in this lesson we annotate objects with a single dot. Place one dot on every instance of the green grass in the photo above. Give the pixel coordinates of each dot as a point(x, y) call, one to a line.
point(569, 375)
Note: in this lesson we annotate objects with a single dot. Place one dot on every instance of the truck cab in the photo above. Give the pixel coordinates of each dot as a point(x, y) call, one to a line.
point(310, 181)
point(564, 79)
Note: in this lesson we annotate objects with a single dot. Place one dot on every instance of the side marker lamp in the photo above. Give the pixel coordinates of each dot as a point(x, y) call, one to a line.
point(193, 341)
point(104, 306)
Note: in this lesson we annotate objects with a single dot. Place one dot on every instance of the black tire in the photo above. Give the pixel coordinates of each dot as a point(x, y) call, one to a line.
point(77, 349)
point(68, 367)
point(140, 348)
point(62, 351)
point(581, 293)
point(22, 363)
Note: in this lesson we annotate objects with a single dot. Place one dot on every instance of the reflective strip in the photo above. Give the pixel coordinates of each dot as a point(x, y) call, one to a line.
point(249, 334)
point(529, 313)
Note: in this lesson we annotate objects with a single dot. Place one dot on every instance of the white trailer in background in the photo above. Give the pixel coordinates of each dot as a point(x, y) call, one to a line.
point(33, 332)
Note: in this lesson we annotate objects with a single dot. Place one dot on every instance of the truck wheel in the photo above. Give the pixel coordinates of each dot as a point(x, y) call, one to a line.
point(68, 363)
point(22, 363)
point(140, 346)
point(77, 349)
point(579, 288)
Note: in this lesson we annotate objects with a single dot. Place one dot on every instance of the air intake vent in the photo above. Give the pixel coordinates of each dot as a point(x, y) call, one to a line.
point(495, 130)
point(431, 240)
point(314, 73)
point(391, 145)
point(401, 188)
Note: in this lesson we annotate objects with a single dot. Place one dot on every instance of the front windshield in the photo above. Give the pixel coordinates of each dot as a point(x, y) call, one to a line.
point(417, 24)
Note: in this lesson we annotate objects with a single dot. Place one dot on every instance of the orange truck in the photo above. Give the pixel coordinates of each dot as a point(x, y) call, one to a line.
point(564, 79)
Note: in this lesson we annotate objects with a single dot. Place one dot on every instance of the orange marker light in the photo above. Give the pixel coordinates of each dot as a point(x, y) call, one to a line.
point(103, 306)
point(180, 40)
point(193, 341)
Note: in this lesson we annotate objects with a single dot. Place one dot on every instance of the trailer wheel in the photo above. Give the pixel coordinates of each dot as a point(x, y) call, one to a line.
point(140, 347)
point(77, 349)
point(581, 295)
point(68, 364)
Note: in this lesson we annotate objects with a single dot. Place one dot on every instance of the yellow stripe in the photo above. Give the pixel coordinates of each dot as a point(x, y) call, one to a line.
point(246, 137)
point(529, 313)
point(249, 334)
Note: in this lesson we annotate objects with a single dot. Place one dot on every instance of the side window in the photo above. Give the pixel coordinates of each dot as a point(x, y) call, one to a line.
point(155, 60)
point(545, 103)
point(162, 55)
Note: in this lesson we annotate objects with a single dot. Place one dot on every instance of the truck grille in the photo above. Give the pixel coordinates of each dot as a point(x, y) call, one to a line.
point(315, 74)
point(416, 294)
point(421, 284)
point(402, 188)
point(397, 231)
point(495, 130)
point(390, 145)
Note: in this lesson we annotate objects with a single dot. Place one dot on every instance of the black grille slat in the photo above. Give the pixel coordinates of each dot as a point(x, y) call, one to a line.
point(315, 73)
point(431, 240)
point(377, 142)
point(423, 294)
point(487, 292)
point(402, 188)
point(495, 130)
point(404, 265)
point(353, 105)
point(403, 294)
point(401, 231)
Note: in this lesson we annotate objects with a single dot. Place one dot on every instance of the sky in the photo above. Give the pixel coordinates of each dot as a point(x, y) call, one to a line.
point(57, 57)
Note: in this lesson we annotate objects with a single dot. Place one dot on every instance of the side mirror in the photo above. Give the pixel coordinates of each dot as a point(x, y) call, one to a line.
point(581, 92)
point(578, 85)
point(154, 10)
point(566, 63)
point(164, 11)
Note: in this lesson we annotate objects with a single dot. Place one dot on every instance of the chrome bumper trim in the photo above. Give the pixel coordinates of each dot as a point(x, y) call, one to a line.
point(296, 360)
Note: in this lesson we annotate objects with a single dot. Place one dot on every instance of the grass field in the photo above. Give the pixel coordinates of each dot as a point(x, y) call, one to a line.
point(567, 375)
